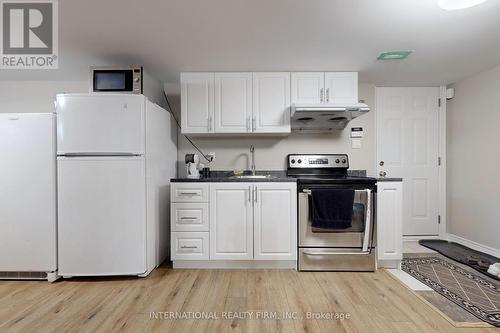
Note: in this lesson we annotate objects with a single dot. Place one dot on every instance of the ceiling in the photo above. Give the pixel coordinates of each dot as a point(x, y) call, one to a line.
point(170, 36)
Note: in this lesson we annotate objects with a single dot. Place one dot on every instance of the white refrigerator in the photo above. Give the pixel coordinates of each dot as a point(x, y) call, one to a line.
point(116, 154)
point(27, 196)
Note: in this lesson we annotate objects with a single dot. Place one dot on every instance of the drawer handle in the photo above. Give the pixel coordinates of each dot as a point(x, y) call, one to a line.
point(307, 253)
point(189, 193)
point(188, 218)
point(189, 247)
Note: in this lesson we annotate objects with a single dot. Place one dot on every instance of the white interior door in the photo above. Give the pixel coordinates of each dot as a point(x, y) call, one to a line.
point(407, 147)
point(233, 103)
point(101, 216)
point(27, 192)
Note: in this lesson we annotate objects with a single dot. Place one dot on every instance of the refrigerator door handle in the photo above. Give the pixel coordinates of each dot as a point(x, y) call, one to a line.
point(97, 154)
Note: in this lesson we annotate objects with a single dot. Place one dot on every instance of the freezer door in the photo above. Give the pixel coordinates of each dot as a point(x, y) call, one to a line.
point(100, 123)
point(27, 192)
point(101, 216)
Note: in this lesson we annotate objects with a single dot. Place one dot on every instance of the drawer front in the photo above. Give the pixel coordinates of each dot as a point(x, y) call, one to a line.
point(189, 217)
point(190, 246)
point(189, 192)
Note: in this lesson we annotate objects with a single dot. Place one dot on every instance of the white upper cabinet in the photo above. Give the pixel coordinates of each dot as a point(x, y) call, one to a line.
point(260, 102)
point(233, 102)
point(308, 87)
point(197, 103)
point(271, 102)
point(324, 88)
point(341, 87)
point(275, 221)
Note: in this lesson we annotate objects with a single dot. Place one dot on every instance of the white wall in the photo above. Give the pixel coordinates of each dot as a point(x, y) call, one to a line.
point(35, 96)
point(270, 152)
point(473, 185)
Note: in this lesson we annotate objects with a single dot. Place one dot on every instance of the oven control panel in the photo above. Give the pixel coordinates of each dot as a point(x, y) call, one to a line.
point(299, 161)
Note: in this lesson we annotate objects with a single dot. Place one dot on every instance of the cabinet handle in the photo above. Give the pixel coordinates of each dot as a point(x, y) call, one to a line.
point(188, 193)
point(248, 124)
point(211, 126)
point(321, 95)
point(189, 247)
point(255, 193)
point(328, 95)
point(254, 124)
point(249, 193)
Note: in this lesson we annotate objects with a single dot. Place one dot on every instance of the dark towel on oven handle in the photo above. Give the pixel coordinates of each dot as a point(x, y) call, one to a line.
point(332, 208)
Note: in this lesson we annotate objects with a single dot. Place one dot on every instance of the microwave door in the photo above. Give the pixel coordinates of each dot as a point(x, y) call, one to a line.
point(113, 80)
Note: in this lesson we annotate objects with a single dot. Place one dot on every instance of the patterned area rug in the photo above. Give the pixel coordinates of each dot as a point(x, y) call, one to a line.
point(469, 291)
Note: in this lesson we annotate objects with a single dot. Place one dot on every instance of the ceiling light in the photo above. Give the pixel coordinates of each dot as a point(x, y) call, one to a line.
point(390, 55)
point(458, 4)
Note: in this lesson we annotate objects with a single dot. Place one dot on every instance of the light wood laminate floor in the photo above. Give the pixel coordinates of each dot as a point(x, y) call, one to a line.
point(375, 302)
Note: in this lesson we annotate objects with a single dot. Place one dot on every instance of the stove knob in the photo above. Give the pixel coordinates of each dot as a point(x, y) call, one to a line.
point(293, 161)
point(344, 161)
point(337, 161)
point(299, 161)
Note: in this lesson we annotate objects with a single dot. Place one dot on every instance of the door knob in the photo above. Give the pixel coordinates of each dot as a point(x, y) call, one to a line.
point(381, 163)
point(382, 173)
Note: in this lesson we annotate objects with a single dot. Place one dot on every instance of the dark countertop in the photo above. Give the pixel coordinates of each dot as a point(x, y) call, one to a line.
point(222, 176)
point(389, 179)
point(217, 176)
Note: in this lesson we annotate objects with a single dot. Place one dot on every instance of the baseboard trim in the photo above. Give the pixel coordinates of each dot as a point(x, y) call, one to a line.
point(391, 264)
point(417, 238)
point(473, 245)
point(235, 264)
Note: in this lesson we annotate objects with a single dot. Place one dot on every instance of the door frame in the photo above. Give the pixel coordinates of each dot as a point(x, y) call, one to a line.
point(441, 153)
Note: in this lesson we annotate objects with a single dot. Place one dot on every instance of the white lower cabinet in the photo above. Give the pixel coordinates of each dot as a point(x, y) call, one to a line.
point(275, 221)
point(190, 246)
point(231, 225)
point(246, 221)
point(389, 222)
point(189, 216)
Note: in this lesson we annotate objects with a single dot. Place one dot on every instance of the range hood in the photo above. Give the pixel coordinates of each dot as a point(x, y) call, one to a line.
point(317, 118)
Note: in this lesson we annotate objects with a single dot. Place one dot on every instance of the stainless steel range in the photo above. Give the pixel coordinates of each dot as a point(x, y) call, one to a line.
point(332, 235)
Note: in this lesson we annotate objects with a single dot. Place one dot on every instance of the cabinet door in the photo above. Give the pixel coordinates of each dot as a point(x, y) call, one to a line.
point(275, 221)
point(231, 221)
point(341, 87)
point(271, 102)
point(197, 102)
point(233, 102)
point(308, 87)
point(389, 221)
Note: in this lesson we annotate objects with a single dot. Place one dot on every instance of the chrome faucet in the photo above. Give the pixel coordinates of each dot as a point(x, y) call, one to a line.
point(252, 154)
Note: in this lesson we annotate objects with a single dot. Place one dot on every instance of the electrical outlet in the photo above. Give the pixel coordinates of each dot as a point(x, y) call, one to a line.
point(211, 156)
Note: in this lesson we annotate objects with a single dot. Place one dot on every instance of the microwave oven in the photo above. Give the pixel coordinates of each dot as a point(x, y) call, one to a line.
point(116, 79)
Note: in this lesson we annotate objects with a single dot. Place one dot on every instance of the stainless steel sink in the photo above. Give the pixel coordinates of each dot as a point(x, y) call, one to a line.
point(252, 177)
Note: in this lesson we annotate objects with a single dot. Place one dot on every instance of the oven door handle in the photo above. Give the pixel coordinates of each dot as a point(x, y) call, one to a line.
point(309, 253)
point(368, 221)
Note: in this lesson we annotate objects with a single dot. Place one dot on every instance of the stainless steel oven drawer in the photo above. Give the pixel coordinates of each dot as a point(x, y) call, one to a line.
point(336, 259)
